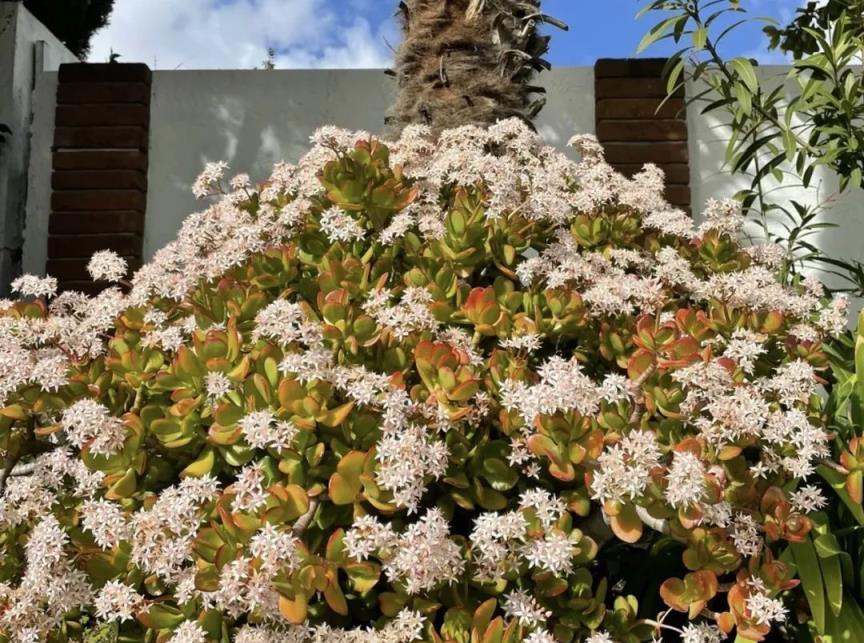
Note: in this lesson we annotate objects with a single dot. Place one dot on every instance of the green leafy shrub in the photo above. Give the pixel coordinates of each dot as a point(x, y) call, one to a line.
point(416, 391)
point(786, 130)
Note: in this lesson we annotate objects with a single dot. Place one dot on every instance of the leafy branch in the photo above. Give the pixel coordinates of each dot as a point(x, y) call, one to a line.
point(812, 120)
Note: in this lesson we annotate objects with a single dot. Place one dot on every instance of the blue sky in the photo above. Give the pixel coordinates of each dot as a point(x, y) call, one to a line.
point(609, 28)
point(195, 34)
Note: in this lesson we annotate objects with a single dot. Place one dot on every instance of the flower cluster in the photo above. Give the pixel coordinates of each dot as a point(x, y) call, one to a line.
point(411, 392)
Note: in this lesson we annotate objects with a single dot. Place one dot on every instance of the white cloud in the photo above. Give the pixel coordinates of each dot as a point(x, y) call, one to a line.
point(359, 48)
point(235, 34)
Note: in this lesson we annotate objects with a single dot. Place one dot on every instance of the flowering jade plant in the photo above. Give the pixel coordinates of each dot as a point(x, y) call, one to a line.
point(415, 391)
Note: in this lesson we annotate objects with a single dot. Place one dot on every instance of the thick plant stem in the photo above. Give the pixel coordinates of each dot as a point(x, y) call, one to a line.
point(305, 520)
point(468, 62)
point(657, 524)
point(11, 459)
point(636, 393)
point(8, 467)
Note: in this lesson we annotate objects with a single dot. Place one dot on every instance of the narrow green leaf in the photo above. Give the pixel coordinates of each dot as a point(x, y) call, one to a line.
point(674, 75)
point(827, 545)
point(838, 482)
point(748, 154)
point(657, 32)
point(744, 69)
point(745, 103)
point(833, 578)
point(848, 625)
point(789, 144)
point(852, 608)
point(811, 580)
point(653, 6)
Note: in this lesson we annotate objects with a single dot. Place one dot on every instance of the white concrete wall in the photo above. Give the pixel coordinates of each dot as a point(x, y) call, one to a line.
point(253, 119)
point(26, 49)
point(709, 177)
point(39, 175)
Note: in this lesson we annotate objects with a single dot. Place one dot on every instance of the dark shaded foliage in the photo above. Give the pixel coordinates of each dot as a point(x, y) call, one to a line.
point(73, 21)
point(796, 37)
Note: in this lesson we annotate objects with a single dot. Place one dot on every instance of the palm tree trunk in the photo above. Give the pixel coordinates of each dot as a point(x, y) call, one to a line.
point(468, 62)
